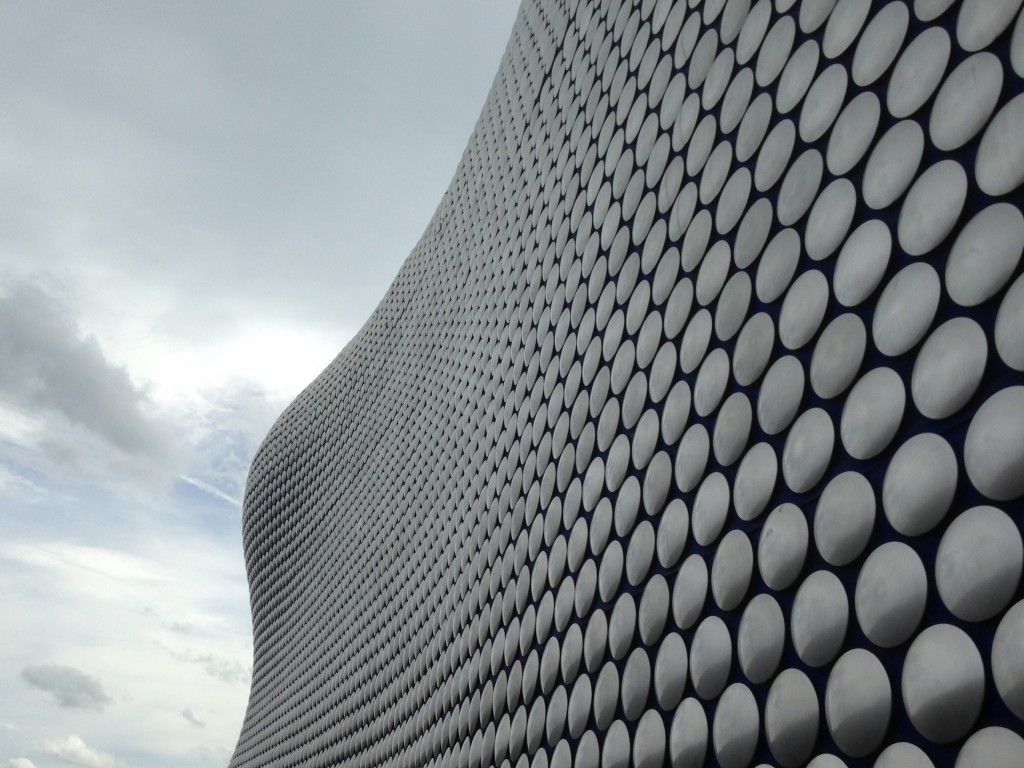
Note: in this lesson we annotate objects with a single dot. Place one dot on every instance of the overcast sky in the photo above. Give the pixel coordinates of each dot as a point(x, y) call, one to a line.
point(200, 203)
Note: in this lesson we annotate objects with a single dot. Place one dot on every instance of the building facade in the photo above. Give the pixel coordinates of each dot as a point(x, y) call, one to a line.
point(691, 433)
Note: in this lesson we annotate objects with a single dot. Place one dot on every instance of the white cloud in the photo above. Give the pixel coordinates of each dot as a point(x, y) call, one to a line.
point(70, 687)
point(71, 749)
point(20, 762)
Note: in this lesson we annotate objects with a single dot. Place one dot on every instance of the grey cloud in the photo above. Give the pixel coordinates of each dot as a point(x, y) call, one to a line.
point(48, 366)
point(217, 667)
point(71, 749)
point(190, 717)
point(70, 687)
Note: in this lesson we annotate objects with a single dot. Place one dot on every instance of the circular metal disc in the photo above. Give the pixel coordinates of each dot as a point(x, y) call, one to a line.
point(826, 760)
point(902, 754)
point(711, 382)
point(830, 219)
point(695, 341)
point(731, 570)
point(858, 702)
point(853, 133)
point(690, 591)
point(799, 187)
point(649, 743)
point(621, 625)
point(808, 450)
point(819, 617)
point(732, 429)
point(994, 449)
point(761, 638)
point(985, 255)
point(755, 481)
point(753, 349)
point(670, 671)
point(791, 716)
point(880, 43)
point(688, 736)
point(932, 207)
point(905, 309)
point(1000, 165)
point(782, 548)
point(965, 101)
point(692, 457)
point(991, 746)
point(710, 508)
point(718, 78)
point(716, 170)
point(676, 412)
point(640, 553)
point(736, 728)
point(753, 126)
point(781, 393)
point(918, 72)
point(978, 566)
point(773, 159)
point(844, 24)
point(862, 263)
point(736, 99)
point(753, 232)
point(943, 683)
point(778, 264)
point(823, 102)
point(1017, 47)
point(775, 51)
point(673, 530)
point(710, 657)
point(803, 309)
point(892, 589)
point(1009, 330)
point(796, 77)
point(981, 21)
point(695, 243)
point(701, 144)
point(615, 750)
point(892, 164)
point(929, 10)
point(838, 355)
point(949, 367)
point(919, 484)
point(844, 518)
point(636, 684)
point(872, 413)
point(733, 201)
point(1008, 661)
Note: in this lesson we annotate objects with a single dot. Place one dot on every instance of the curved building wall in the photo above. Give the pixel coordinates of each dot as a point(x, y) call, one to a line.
point(692, 431)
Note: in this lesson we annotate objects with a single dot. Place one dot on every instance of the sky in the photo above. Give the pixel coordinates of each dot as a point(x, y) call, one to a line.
point(200, 203)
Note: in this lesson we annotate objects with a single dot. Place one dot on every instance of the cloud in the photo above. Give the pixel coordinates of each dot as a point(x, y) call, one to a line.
point(20, 762)
point(71, 749)
point(190, 717)
point(217, 667)
point(225, 434)
point(49, 367)
point(70, 687)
